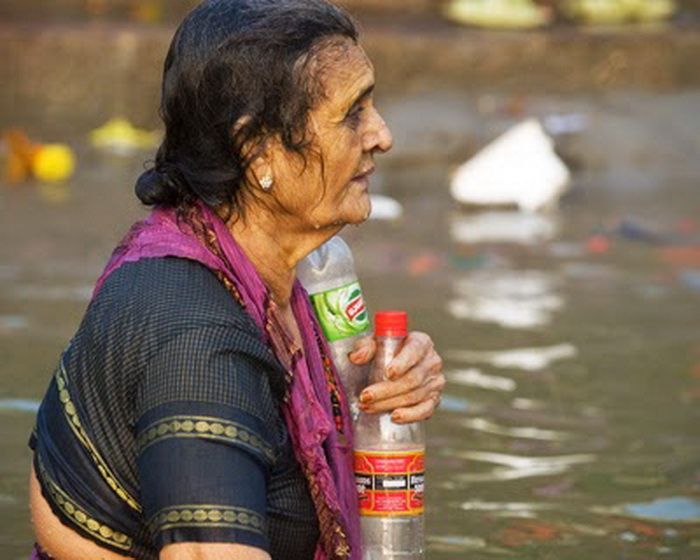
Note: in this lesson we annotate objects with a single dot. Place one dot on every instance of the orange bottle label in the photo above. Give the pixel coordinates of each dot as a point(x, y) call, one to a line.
point(390, 483)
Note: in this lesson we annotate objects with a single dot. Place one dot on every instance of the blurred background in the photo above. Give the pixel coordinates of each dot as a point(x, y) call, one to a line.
point(558, 270)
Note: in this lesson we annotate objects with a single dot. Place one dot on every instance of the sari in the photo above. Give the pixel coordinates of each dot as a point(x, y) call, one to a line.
point(314, 407)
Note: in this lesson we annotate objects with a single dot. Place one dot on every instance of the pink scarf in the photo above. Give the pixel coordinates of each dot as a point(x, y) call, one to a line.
point(322, 440)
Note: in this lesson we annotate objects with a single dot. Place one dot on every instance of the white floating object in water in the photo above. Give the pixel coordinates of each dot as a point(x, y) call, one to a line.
point(385, 208)
point(503, 227)
point(518, 168)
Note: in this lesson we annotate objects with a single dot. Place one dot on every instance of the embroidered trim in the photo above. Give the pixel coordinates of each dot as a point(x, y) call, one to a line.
point(204, 427)
point(207, 516)
point(79, 431)
point(333, 538)
point(97, 530)
point(332, 382)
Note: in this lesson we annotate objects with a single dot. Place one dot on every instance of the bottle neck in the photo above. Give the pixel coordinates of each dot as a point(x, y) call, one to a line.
point(387, 347)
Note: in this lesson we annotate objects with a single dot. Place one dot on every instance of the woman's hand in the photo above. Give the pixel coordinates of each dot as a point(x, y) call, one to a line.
point(415, 379)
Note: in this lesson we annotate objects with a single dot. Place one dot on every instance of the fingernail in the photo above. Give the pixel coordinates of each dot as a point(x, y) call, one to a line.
point(366, 396)
point(396, 416)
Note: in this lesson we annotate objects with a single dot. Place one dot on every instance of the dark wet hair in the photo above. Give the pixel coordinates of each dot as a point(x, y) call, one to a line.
point(231, 59)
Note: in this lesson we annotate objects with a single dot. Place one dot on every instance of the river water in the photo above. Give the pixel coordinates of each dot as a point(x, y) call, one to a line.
point(569, 425)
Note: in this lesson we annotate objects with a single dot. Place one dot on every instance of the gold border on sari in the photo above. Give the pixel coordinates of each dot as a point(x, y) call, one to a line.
point(204, 427)
point(205, 515)
point(87, 523)
point(76, 425)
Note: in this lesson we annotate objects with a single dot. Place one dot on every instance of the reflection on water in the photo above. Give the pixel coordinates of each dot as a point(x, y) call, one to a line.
point(450, 403)
point(517, 299)
point(507, 509)
point(54, 293)
point(503, 226)
point(12, 323)
point(19, 405)
point(455, 543)
point(667, 509)
point(527, 432)
point(529, 359)
point(511, 467)
point(476, 378)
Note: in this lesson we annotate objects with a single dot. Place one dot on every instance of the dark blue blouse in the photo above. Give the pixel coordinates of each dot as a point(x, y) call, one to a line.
point(162, 422)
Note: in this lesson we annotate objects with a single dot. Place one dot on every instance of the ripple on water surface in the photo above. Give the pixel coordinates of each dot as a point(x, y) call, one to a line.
point(676, 509)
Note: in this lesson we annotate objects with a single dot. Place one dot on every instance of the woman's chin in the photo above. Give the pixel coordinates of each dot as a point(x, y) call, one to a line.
point(354, 214)
point(362, 212)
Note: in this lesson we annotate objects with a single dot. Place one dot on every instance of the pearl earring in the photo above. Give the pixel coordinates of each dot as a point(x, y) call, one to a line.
point(266, 183)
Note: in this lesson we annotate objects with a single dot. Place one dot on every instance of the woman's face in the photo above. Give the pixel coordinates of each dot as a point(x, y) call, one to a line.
point(329, 186)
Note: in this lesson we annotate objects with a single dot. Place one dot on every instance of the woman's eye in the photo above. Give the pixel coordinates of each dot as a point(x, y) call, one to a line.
point(355, 114)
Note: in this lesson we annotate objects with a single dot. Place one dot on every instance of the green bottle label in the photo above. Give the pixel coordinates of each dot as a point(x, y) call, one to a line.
point(341, 311)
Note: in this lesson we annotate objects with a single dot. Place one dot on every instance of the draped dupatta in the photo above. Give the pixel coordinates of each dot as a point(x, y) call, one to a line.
point(314, 407)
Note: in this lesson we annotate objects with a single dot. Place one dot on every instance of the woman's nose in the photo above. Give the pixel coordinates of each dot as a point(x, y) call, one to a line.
point(377, 137)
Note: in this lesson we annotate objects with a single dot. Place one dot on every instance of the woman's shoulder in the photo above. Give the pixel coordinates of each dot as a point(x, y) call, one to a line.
point(175, 291)
point(175, 317)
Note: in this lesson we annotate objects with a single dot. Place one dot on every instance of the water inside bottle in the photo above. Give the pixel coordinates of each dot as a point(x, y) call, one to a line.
point(397, 538)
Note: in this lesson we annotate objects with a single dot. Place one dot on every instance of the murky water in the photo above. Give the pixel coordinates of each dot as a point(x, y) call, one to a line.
point(569, 427)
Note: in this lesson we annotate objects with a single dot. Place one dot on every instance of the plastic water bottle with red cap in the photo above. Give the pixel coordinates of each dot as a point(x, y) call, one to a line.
point(328, 274)
point(389, 464)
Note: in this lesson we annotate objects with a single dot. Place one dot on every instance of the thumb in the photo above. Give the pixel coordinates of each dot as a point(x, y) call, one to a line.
point(363, 350)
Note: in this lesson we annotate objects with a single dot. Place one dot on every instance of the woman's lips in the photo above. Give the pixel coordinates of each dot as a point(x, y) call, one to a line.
point(364, 176)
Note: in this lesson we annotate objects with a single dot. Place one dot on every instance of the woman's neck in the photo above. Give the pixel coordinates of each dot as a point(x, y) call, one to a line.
point(274, 250)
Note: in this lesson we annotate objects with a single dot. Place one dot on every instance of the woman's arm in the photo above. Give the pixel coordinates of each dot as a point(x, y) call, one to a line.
point(416, 379)
point(212, 551)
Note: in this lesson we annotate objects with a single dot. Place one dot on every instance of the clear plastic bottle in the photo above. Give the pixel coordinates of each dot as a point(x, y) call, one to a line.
point(328, 274)
point(389, 465)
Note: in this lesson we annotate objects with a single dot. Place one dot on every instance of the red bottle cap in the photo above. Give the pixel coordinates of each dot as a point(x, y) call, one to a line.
point(390, 323)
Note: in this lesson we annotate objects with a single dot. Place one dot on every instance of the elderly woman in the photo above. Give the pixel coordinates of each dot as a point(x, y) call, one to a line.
point(196, 413)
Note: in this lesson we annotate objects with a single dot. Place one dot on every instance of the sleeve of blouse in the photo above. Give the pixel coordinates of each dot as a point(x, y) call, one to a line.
point(205, 440)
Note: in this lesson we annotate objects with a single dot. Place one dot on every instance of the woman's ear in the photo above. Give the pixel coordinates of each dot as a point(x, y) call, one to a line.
point(259, 172)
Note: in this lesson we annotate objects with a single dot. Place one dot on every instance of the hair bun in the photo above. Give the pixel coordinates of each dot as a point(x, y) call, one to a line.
point(156, 186)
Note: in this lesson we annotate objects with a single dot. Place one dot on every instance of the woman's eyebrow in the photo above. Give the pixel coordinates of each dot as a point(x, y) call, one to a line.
point(363, 94)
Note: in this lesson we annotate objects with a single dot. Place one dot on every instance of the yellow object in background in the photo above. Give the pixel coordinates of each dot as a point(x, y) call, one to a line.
point(498, 14)
point(24, 159)
point(618, 12)
point(654, 10)
point(18, 152)
point(53, 163)
point(119, 136)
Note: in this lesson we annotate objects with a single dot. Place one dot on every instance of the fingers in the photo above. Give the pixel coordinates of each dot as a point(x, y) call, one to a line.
point(414, 387)
point(416, 346)
point(363, 351)
point(422, 411)
point(430, 368)
point(415, 380)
